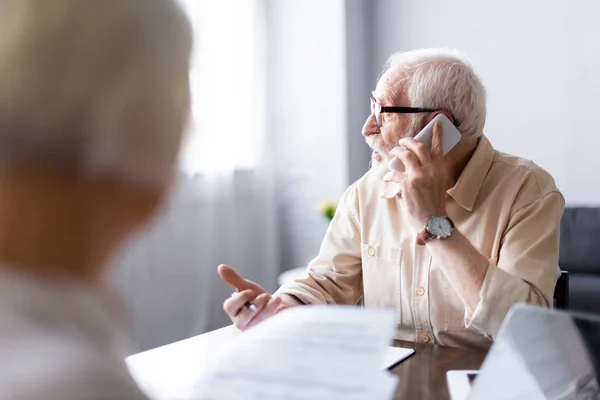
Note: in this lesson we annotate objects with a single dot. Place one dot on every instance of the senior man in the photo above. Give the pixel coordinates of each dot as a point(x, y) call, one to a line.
point(94, 97)
point(451, 243)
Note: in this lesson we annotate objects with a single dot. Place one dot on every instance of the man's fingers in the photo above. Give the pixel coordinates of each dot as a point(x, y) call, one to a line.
point(234, 305)
point(418, 149)
point(408, 158)
point(230, 276)
point(393, 176)
point(247, 316)
point(268, 311)
point(437, 147)
point(281, 308)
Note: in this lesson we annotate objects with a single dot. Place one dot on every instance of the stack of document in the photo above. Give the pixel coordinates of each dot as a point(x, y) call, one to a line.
point(538, 354)
point(316, 352)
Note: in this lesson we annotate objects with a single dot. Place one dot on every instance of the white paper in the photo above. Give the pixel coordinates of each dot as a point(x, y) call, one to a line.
point(538, 354)
point(317, 352)
point(170, 372)
point(515, 382)
point(394, 355)
point(459, 385)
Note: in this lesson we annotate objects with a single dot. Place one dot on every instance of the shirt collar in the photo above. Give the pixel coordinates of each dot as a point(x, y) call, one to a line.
point(469, 182)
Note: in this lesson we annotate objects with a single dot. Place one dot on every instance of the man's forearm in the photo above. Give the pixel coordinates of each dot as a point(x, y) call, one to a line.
point(463, 265)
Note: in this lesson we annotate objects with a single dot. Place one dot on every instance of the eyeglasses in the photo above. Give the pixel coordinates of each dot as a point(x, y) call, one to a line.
point(377, 109)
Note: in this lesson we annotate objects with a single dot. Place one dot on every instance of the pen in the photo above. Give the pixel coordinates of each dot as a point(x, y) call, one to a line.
point(251, 306)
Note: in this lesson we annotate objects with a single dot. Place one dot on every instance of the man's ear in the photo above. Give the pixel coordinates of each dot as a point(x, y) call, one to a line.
point(445, 112)
point(432, 115)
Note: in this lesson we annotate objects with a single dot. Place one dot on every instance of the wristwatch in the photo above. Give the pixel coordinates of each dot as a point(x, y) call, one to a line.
point(438, 227)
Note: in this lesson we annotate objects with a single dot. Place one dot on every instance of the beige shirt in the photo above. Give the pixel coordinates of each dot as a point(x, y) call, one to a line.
point(507, 207)
point(61, 341)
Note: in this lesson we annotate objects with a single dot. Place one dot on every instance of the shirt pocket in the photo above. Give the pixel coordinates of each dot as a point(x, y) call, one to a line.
point(381, 269)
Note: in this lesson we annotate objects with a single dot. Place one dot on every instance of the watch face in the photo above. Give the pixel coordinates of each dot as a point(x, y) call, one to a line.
point(440, 227)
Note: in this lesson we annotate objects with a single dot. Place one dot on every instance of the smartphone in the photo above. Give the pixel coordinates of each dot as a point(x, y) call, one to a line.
point(450, 137)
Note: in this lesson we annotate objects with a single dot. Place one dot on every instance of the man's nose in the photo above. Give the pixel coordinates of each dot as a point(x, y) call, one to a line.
point(370, 127)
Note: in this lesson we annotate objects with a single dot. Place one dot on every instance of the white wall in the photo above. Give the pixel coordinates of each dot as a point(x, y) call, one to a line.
point(539, 62)
point(307, 117)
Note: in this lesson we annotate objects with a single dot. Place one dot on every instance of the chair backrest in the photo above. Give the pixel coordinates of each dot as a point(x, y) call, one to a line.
point(579, 254)
point(561, 291)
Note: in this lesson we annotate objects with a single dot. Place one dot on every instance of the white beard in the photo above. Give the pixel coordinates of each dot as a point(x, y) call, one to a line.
point(376, 144)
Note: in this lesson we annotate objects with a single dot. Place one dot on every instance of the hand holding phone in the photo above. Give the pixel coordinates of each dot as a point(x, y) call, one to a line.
point(450, 137)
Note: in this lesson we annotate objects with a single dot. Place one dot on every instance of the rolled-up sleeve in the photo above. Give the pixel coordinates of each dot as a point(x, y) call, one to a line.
point(527, 269)
point(335, 275)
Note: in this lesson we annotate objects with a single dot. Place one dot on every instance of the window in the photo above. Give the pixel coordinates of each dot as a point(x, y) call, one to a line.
point(227, 126)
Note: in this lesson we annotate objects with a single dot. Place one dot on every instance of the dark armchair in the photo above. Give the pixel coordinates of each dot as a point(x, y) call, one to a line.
point(580, 256)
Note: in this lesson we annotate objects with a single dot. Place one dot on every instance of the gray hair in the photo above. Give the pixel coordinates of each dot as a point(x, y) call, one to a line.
point(443, 78)
point(94, 87)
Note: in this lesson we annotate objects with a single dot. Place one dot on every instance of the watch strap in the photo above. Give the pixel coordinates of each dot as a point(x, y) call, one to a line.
point(424, 237)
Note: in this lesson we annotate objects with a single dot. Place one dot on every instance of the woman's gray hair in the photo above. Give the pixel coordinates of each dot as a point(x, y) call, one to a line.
point(442, 78)
point(94, 87)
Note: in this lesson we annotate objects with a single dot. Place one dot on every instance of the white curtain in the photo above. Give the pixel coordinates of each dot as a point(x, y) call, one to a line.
point(222, 209)
point(227, 86)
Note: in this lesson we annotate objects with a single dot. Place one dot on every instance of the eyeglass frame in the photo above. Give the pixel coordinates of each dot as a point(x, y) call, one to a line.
point(401, 110)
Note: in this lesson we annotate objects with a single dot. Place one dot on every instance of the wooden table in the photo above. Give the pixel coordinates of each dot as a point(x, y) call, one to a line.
point(169, 372)
point(423, 375)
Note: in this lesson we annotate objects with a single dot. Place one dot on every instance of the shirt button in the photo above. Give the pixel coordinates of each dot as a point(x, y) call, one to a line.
point(371, 251)
point(424, 338)
point(420, 291)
